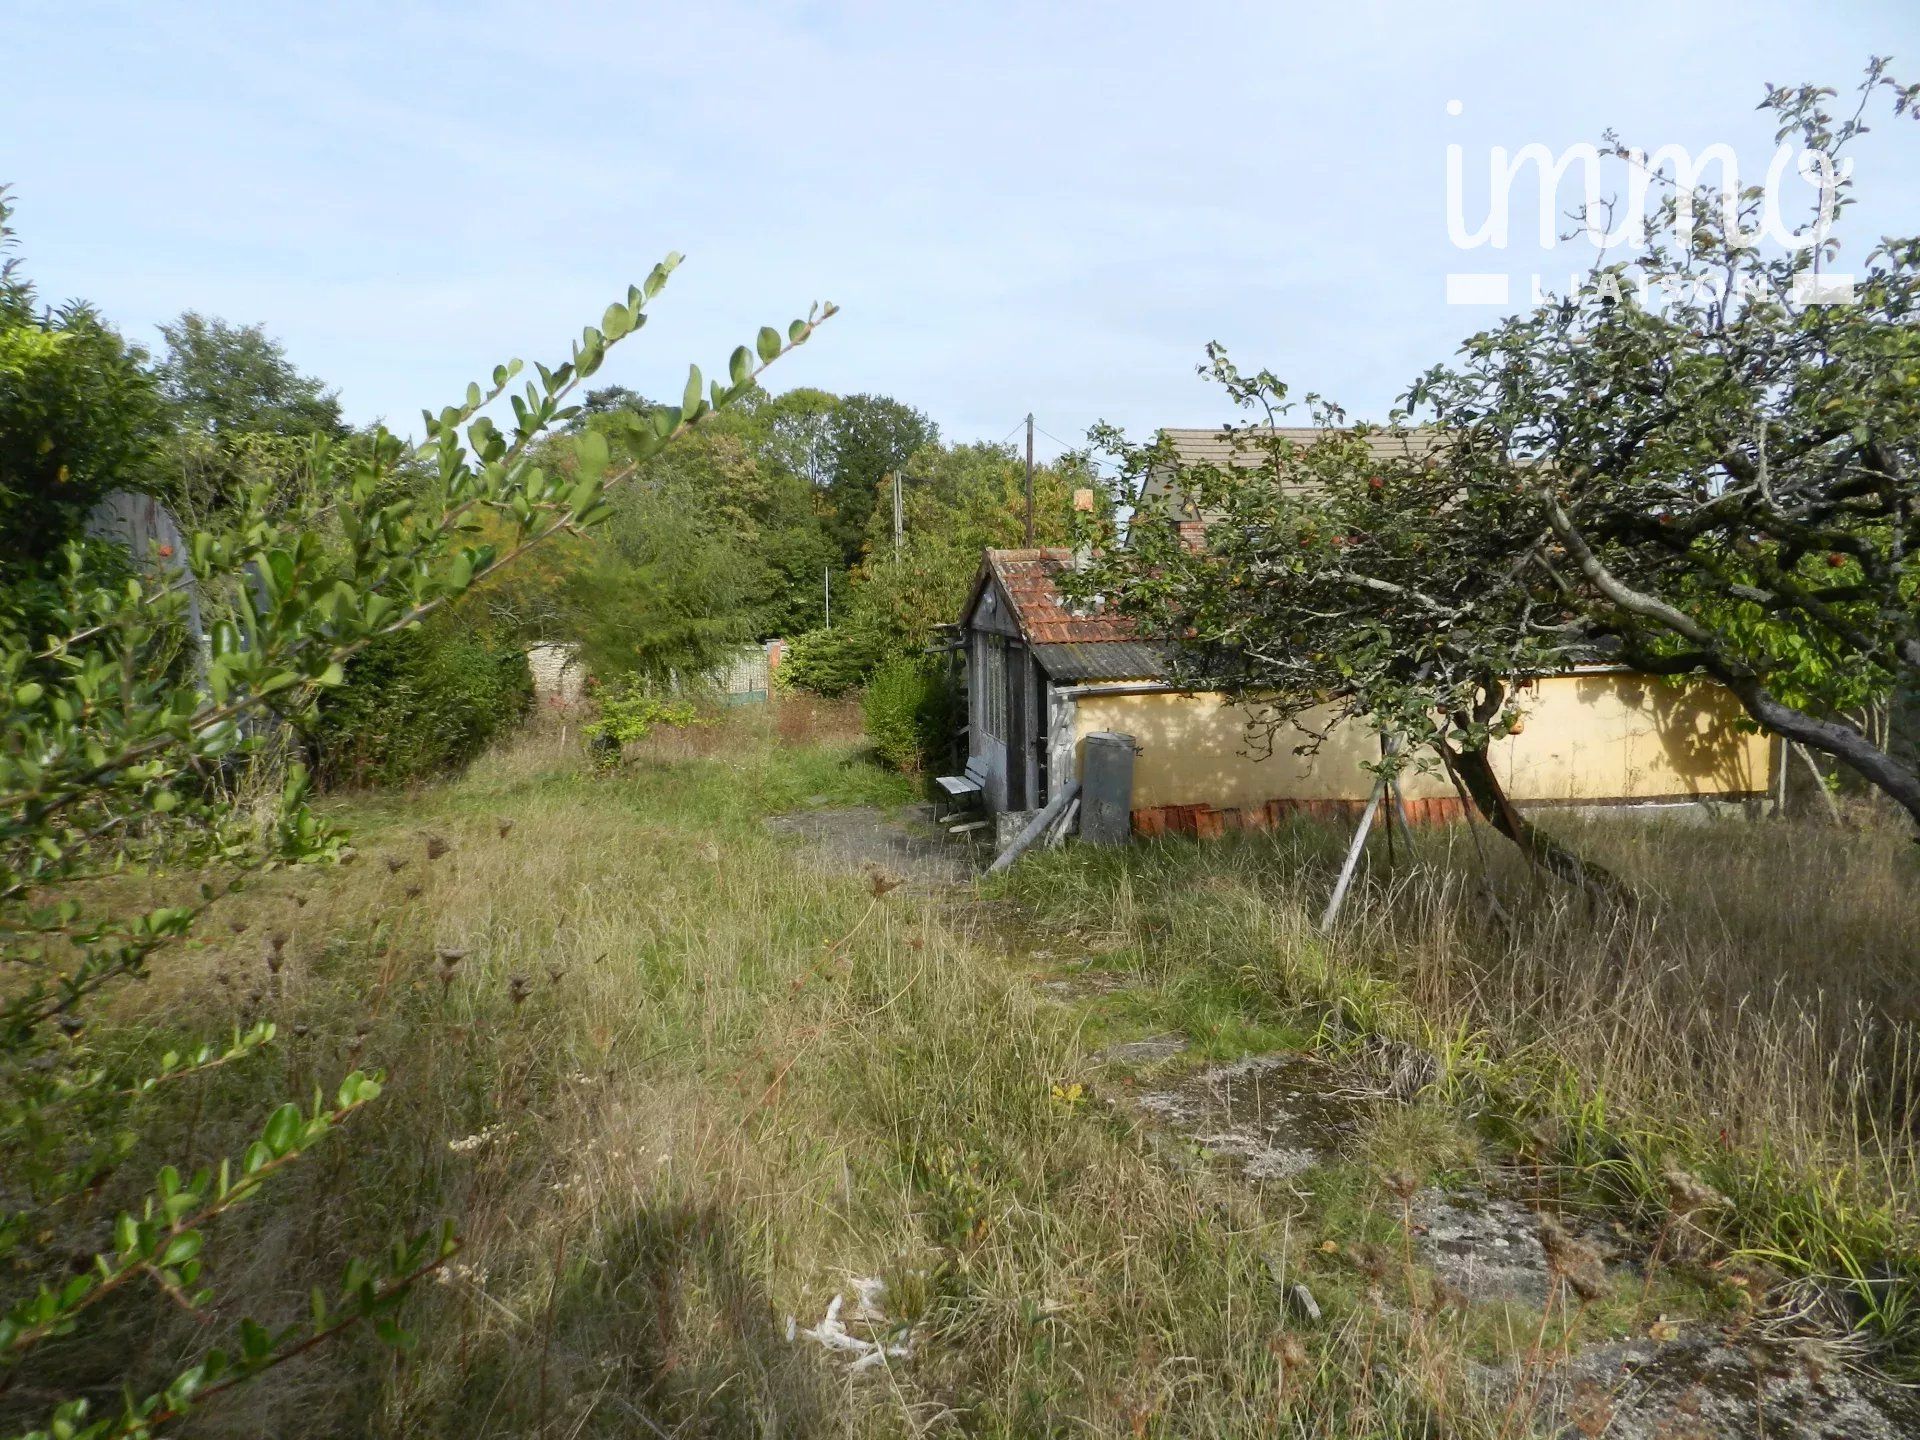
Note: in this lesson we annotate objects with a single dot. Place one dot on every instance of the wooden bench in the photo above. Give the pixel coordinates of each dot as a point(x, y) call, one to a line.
point(963, 788)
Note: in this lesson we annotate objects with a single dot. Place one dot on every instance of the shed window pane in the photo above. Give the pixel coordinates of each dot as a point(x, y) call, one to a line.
point(993, 687)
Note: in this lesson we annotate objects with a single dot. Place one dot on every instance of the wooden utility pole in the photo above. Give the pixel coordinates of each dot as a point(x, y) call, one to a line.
point(896, 516)
point(1029, 479)
point(826, 591)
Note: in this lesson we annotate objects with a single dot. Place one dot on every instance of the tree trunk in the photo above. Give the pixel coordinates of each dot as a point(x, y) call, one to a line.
point(1850, 747)
point(1843, 742)
point(1473, 770)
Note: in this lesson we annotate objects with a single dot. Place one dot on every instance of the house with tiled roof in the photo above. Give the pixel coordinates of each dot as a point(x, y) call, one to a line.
point(1242, 447)
point(1045, 671)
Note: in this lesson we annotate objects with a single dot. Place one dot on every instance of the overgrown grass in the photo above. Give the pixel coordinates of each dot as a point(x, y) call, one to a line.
point(735, 1078)
point(731, 1080)
point(1757, 1023)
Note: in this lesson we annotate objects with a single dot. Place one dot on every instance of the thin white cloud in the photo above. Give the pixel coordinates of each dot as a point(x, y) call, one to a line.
point(1020, 206)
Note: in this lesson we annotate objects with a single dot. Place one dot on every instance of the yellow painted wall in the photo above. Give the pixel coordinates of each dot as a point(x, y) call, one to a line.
point(1624, 736)
point(1586, 737)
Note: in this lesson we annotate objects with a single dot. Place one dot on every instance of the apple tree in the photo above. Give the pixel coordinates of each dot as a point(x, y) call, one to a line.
point(1695, 466)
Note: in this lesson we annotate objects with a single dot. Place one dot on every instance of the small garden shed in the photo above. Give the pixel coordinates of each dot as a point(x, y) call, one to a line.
point(1043, 675)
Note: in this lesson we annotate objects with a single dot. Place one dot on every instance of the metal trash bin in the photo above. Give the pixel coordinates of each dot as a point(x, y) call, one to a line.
point(1106, 789)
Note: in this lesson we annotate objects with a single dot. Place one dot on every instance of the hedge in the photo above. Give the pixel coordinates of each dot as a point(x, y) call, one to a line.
point(416, 704)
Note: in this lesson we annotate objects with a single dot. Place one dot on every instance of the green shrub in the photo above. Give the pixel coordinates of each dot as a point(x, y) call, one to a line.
point(909, 709)
point(831, 662)
point(78, 418)
point(629, 710)
point(416, 703)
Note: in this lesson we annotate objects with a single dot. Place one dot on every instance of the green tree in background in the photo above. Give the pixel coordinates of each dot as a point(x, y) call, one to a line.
point(956, 501)
point(798, 559)
point(868, 436)
point(242, 415)
point(718, 541)
point(606, 399)
point(669, 590)
point(221, 379)
point(795, 431)
point(78, 415)
point(800, 432)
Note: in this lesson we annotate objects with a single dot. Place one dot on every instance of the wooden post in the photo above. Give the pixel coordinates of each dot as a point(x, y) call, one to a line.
point(1332, 911)
point(1399, 812)
point(1065, 827)
point(1395, 810)
point(1819, 782)
point(1389, 745)
point(1036, 827)
point(1029, 479)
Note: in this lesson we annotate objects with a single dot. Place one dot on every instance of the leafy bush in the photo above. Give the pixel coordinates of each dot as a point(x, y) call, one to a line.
point(629, 711)
point(831, 662)
point(78, 416)
point(416, 703)
point(107, 768)
point(909, 708)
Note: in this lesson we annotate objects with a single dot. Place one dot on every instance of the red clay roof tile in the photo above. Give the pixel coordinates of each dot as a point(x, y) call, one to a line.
point(1031, 580)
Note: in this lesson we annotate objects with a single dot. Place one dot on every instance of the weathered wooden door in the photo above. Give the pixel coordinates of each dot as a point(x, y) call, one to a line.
point(1041, 739)
point(1019, 727)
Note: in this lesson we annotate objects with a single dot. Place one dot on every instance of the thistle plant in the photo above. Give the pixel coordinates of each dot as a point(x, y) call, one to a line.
point(117, 759)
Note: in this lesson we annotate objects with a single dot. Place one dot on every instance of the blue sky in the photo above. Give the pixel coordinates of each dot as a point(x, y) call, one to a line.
point(1018, 207)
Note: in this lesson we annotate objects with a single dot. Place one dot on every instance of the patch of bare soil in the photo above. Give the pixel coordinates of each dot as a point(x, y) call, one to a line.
point(1149, 1051)
point(1701, 1387)
point(1486, 1246)
point(1088, 985)
point(1276, 1117)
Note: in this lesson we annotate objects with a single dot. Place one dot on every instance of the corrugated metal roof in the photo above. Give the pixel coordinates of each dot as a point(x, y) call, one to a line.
point(1103, 660)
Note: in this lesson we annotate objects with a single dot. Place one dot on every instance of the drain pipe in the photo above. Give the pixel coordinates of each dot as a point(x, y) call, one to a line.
point(1144, 687)
point(1036, 827)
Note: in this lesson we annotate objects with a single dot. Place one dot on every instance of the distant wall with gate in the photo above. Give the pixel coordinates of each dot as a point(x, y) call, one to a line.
point(744, 679)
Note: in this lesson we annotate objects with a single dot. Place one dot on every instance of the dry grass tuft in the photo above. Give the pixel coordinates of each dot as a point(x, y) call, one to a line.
point(1758, 1020)
point(675, 1088)
point(663, 1126)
